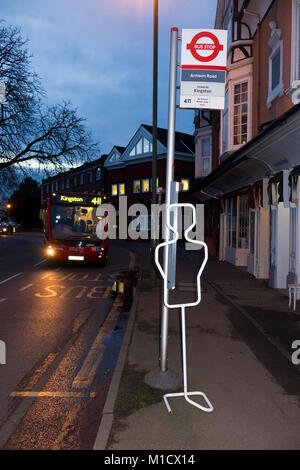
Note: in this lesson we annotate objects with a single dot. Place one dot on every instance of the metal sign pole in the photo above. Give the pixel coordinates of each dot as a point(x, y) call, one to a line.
point(169, 179)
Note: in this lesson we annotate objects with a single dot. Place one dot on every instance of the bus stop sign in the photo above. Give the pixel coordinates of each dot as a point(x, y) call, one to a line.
point(215, 46)
point(203, 68)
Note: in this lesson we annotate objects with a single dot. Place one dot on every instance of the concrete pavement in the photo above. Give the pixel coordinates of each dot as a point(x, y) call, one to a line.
point(239, 354)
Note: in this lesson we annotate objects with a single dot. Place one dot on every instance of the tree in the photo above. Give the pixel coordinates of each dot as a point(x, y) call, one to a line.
point(26, 203)
point(30, 130)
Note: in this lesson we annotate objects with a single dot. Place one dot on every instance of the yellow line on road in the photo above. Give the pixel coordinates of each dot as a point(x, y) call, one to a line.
point(86, 375)
point(40, 371)
point(106, 292)
point(32, 394)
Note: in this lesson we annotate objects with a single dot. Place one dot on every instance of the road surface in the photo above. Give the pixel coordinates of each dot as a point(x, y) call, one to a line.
point(62, 329)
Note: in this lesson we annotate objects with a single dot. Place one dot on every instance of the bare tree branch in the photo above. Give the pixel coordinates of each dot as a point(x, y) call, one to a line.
point(30, 130)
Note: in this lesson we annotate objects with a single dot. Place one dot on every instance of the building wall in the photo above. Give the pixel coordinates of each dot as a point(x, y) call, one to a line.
point(129, 173)
point(88, 184)
point(281, 13)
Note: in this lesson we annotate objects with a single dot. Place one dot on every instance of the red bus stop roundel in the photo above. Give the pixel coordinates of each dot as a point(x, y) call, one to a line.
point(195, 47)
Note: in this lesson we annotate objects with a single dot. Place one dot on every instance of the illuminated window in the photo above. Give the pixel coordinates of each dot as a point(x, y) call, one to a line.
point(185, 184)
point(136, 186)
point(240, 123)
point(121, 189)
point(146, 185)
point(114, 189)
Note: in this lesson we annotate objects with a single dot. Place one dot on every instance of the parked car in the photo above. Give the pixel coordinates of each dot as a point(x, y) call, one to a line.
point(6, 226)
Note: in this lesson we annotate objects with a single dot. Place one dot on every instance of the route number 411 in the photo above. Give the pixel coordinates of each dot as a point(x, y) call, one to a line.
point(187, 100)
point(97, 201)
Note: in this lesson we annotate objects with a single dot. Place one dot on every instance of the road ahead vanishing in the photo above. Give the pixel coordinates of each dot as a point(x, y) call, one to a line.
point(62, 328)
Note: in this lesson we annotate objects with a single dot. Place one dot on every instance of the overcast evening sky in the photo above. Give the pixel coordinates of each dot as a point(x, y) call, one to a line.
point(98, 55)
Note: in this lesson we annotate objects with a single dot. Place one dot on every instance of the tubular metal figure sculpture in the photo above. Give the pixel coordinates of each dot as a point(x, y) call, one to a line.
point(165, 275)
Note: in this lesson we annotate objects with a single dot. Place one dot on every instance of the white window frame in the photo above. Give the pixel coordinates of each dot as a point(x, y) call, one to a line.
point(133, 151)
point(276, 45)
point(233, 221)
point(207, 157)
point(240, 81)
point(295, 42)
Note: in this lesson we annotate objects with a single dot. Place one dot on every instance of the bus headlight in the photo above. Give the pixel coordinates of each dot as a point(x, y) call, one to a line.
point(50, 251)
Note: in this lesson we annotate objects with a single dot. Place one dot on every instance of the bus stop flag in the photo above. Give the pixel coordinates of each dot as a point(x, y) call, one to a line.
point(203, 68)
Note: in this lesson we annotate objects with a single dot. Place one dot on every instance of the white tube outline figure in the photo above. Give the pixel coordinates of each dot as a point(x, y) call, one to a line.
point(185, 393)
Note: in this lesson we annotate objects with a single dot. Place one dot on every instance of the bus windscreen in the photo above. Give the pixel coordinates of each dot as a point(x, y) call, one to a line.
point(73, 223)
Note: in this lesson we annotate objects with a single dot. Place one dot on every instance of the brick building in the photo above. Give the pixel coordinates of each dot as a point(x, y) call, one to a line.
point(87, 178)
point(128, 170)
point(252, 193)
point(130, 173)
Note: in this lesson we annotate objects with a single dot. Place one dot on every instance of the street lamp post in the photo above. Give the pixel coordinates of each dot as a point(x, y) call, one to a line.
point(154, 124)
point(164, 378)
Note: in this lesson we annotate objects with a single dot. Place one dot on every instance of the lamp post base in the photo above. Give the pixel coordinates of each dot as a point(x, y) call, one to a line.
point(168, 380)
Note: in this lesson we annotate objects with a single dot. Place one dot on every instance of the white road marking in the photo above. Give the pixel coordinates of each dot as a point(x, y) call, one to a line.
point(40, 262)
point(25, 287)
point(9, 278)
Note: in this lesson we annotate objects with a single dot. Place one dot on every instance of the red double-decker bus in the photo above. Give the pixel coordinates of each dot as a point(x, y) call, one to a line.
point(70, 223)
